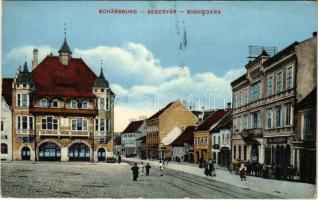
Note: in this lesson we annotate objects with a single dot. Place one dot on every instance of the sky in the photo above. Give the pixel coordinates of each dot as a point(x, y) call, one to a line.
point(145, 57)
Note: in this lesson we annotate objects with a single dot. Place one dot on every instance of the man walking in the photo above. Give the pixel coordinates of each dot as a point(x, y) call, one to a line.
point(147, 169)
point(142, 168)
point(162, 167)
point(135, 170)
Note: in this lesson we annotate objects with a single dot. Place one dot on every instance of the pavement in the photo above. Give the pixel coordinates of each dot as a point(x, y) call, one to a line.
point(280, 188)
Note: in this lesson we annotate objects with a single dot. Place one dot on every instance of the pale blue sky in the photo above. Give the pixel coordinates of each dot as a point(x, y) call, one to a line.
point(141, 52)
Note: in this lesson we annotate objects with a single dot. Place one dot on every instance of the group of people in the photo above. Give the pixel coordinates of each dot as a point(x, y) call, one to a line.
point(135, 169)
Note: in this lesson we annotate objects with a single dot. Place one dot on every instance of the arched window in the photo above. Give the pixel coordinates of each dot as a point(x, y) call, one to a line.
point(239, 153)
point(55, 103)
point(4, 148)
point(73, 103)
point(79, 152)
point(49, 151)
point(245, 151)
point(43, 102)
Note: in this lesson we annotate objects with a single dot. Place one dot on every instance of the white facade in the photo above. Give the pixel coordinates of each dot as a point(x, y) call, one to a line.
point(128, 140)
point(221, 139)
point(6, 131)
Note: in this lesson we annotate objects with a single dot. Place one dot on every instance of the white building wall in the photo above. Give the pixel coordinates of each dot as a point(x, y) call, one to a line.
point(6, 134)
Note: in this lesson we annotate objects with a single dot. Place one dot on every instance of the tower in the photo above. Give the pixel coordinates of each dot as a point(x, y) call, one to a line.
point(35, 60)
point(65, 53)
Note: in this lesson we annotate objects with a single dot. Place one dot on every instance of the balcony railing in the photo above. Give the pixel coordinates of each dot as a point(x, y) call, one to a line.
point(25, 132)
point(249, 135)
point(72, 133)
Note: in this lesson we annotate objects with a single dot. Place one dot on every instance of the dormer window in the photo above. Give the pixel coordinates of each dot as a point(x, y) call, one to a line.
point(85, 104)
point(55, 103)
point(43, 102)
point(73, 103)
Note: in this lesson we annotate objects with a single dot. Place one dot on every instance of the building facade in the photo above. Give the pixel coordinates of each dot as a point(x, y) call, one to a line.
point(202, 136)
point(61, 111)
point(6, 119)
point(221, 141)
point(129, 136)
point(175, 114)
point(264, 104)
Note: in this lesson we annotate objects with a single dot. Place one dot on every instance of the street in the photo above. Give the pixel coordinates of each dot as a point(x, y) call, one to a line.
point(103, 180)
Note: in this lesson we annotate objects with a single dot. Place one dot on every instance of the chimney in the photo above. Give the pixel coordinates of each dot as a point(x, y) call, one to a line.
point(314, 34)
point(228, 105)
point(35, 60)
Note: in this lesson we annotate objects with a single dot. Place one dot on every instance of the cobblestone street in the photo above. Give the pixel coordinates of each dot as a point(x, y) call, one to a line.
point(101, 180)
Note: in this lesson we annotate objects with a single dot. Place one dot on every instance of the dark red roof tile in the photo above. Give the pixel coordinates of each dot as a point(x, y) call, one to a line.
point(133, 126)
point(185, 137)
point(7, 90)
point(53, 78)
point(211, 120)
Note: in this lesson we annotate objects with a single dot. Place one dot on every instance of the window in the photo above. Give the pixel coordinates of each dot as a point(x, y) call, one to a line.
point(279, 82)
point(73, 103)
point(2, 127)
point(288, 109)
point(234, 124)
point(96, 124)
point(107, 125)
point(102, 124)
point(79, 124)
point(269, 85)
point(24, 122)
point(239, 123)
point(307, 124)
point(43, 102)
point(245, 125)
point(234, 152)
point(101, 103)
point(31, 123)
point(55, 103)
point(22, 100)
point(25, 99)
point(4, 148)
point(85, 104)
point(255, 91)
point(289, 78)
point(49, 123)
point(256, 120)
point(278, 116)
point(107, 103)
point(214, 140)
point(239, 152)
point(269, 118)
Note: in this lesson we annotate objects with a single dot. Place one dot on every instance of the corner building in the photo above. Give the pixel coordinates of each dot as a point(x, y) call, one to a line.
point(62, 111)
point(267, 115)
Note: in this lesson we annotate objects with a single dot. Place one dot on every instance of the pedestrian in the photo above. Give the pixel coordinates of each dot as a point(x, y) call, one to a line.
point(142, 168)
point(211, 168)
point(119, 159)
point(206, 168)
point(242, 172)
point(147, 169)
point(162, 167)
point(135, 170)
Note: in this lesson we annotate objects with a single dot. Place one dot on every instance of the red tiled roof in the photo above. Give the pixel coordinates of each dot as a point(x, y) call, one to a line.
point(157, 114)
point(53, 78)
point(225, 123)
point(7, 90)
point(185, 137)
point(211, 120)
point(133, 126)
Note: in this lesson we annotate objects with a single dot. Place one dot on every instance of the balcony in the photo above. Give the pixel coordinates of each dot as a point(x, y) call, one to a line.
point(67, 133)
point(64, 111)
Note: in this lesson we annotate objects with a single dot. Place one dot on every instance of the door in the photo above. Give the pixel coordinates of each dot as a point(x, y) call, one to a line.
point(101, 154)
point(26, 153)
point(49, 151)
point(79, 152)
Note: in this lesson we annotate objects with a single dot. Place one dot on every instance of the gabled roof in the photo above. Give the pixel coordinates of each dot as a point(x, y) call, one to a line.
point(185, 137)
point(207, 124)
point(133, 126)
point(225, 123)
point(7, 90)
point(157, 114)
point(53, 78)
